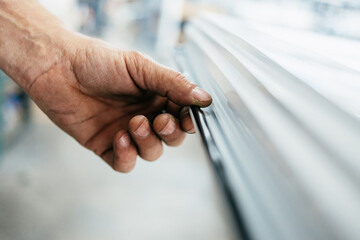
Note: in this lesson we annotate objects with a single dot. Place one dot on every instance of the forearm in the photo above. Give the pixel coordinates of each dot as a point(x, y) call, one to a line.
point(31, 40)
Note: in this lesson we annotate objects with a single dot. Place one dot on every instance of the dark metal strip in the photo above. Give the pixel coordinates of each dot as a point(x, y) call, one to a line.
point(214, 155)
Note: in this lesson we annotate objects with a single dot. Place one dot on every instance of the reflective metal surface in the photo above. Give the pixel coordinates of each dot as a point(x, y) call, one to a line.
point(234, 212)
point(289, 154)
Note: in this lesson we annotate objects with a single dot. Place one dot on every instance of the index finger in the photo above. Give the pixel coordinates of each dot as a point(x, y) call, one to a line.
point(164, 81)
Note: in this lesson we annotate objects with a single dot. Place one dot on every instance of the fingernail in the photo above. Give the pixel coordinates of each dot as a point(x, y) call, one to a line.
point(125, 140)
point(184, 112)
point(169, 128)
point(142, 130)
point(191, 131)
point(200, 94)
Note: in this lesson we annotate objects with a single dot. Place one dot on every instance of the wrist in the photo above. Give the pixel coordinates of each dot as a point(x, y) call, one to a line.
point(32, 41)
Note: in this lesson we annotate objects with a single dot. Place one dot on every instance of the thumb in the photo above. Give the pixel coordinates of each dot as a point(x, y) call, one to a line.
point(153, 77)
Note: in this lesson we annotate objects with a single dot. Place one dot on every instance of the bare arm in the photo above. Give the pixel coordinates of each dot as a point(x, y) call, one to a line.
point(31, 40)
point(111, 101)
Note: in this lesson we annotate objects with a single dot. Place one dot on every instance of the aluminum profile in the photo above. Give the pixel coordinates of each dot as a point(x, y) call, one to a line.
point(290, 157)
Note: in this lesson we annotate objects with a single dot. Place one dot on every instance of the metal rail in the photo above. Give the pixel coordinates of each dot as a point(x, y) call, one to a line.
point(290, 158)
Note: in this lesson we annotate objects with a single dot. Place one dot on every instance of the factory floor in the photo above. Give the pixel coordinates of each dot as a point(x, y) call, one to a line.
point(52, 188)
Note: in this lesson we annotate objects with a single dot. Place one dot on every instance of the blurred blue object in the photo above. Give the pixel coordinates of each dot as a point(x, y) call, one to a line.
point(97, 19)
point(14, 106)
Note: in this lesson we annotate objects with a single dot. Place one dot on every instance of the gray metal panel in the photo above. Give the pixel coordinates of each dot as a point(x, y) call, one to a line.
point(291, 156)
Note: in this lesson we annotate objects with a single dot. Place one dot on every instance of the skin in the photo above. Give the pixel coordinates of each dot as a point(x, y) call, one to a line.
point(119, 104)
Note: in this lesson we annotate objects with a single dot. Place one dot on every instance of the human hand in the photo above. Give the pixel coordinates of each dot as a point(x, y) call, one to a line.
point(112, 102)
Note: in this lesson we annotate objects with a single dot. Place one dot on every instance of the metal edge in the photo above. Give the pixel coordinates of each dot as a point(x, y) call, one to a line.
point(214, 156)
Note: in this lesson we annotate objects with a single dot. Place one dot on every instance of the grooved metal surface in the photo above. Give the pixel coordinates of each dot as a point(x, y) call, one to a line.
point(290, 153)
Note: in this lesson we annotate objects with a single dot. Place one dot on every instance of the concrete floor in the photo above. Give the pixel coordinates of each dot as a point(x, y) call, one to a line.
point(52, 188)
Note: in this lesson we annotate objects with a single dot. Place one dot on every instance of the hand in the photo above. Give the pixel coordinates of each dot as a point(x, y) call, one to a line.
point(110, 101)
point(113, 102)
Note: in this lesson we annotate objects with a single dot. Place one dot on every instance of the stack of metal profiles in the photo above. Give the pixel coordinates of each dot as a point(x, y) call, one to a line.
point(287, 156)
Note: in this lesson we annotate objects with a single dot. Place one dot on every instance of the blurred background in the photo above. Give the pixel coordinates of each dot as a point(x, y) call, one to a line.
point(52, 188)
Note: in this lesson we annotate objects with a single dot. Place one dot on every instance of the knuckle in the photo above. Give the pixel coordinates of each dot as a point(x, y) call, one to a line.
point(117, 167)
point(115, 164)
point(152, 154)
point(174, 144)
point(180, 78)
point(135, 54)
point(183, 82)
point(99, 152)
point(134, 63)
point(177, 141)
point(149, 157)
point(184, 112)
